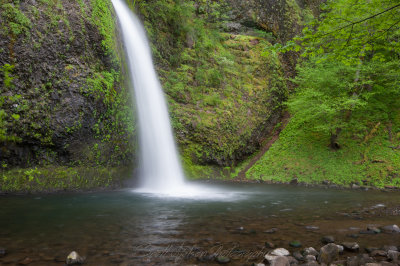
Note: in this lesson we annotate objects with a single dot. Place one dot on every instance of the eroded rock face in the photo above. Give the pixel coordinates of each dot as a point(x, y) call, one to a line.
point(281, 17)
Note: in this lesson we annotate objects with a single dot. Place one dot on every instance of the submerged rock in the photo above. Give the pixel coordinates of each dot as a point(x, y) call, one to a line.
point(295, 244)
point(271, 231)
point(371, 249)
point(25, 261)
point(378, 253)
point(312, 227)
point(269, 245)
point(327, 239)
point(328, 253)
point(75, 258)
point(222, 260)
point(374, 229)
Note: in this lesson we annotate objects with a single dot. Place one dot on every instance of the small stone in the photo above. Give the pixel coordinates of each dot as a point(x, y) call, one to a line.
point(280, 252)
point(75, 258)
point(269, 245)
point(372, 264)
point(365, 258)
point(222, 260)
point(328, 253)
point(393, 255)
point(353, 235)
point(310, 251)
point(207, 258)
point(374, 229)
point(391, 229)
point(295, 244)
point(271, 231)
point(380, 253)
point(310, 258)
point(351, 246)
point(297, 255)
point(327, 239)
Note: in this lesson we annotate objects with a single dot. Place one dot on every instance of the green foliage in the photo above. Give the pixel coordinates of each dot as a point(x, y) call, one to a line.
point(7, 70)
point(346, 99)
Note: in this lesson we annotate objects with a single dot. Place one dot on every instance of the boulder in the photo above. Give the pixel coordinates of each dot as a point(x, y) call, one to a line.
point(393, 255)
point(328, 253)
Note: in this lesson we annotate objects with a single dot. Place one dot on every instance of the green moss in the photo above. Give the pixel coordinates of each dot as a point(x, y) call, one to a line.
point(14, 21)
point(52, 179)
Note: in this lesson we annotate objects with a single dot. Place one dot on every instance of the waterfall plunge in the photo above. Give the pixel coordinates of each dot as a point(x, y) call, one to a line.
point(160, 170)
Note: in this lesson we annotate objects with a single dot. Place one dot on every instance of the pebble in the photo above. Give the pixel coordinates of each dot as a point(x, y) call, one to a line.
point(312, 227)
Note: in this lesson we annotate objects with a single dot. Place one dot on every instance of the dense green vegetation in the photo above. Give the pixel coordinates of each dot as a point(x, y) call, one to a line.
point(345, 124)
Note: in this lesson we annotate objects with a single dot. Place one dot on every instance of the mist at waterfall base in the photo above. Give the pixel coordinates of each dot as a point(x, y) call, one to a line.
point(160, 171)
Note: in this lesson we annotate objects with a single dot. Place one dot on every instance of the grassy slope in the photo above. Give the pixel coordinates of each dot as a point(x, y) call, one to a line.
point(367, 161)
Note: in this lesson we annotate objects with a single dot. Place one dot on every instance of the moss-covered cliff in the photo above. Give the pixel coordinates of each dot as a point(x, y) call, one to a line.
point(61, 99)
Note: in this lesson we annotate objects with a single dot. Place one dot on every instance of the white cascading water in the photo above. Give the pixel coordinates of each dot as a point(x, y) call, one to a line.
point(160, 169)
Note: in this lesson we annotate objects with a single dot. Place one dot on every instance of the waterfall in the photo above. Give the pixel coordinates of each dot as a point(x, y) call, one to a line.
point(159, 167)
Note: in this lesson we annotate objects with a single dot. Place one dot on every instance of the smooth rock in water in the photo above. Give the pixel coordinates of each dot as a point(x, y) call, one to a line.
point(280, 261)
point(222, 260)
point(310, 258)
point(380, 253)
point(387, 248)
point(351, 246)
point(311, 227)
point(207, 258)
point(327, 239)
point(374, 229)
point(280, 252)
point(310, 251)
point(292, 260)
point(297, 255)
point(75, 258)
point(370, 249)
point(295, 244)
point(393, 255)
point(353, 261)
point(3, 252)
point(328, 253)
point(391, 229)
point(271, 231)
point(365, 258)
